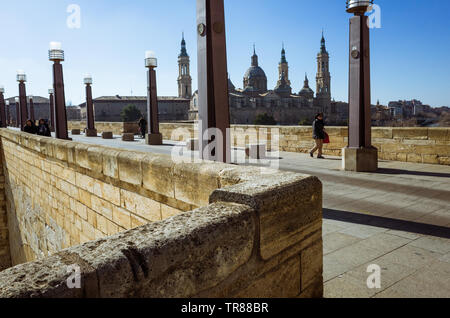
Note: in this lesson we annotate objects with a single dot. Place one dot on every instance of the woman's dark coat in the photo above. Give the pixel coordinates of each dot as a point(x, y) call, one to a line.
point(318, 127)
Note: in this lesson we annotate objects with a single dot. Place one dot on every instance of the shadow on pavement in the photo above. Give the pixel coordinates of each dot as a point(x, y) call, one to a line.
point(387, 223)
point(413, 173)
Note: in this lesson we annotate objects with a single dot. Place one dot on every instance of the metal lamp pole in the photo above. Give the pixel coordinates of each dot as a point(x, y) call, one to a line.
point(153, 136)
point(56, 54)
point(360, 155)
point(8, 114)
point(90, 128)
point(17, 100)
point(213, 106)
point(22, 78)
point(52, 109)
point(3, 123)
point(32, 109)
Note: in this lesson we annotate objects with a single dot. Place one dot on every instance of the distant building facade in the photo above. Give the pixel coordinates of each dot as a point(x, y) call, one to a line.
point(41, 107)
point(285, 106)
point(170, 108)
point(109, 108)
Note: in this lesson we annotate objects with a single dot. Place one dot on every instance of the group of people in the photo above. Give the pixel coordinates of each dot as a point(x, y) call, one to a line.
point(42, 129)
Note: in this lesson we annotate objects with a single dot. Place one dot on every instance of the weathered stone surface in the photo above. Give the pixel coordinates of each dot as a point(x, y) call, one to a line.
point(130, 169)
point(312, 265)
point(285, 205)
point(128, 137)
point(178, 257)
point(158, 174)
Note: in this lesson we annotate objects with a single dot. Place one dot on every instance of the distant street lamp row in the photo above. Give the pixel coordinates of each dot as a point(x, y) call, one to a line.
point(58, 114)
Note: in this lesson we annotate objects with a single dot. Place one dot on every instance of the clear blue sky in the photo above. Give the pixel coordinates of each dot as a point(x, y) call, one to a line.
point(410, 53)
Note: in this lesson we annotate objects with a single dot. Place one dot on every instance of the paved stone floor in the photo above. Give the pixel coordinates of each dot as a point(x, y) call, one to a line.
point(397, 218)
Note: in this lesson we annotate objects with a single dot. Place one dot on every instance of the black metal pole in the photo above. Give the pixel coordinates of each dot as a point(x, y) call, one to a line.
point(90, 130)
point(4, 124)
point(212, 80)
point(23, 105)
point(52, 113)
point(60, 102)
point(32, 111)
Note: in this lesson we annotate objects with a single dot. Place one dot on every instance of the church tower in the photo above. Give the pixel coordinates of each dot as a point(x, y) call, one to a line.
point(283, 69)
point(323, 79)
point(184, 77)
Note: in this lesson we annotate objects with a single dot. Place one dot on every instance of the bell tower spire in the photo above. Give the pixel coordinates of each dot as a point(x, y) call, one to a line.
point(283, 68)
point(184, 77)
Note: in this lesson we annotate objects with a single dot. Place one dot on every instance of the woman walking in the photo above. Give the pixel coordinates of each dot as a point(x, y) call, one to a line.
point(318, 135)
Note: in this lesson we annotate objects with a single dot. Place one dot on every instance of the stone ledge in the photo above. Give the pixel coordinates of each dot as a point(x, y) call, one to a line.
point(177, 257)
point(285, 204)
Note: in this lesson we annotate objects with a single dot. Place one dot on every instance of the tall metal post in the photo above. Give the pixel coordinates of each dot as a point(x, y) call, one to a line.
point(360, 155)
point(3, 122)
point(8, 114)
point(214, 115)
point(17, 100)
point(33, 119)
point(21, 78)
point(51, 110)
point(153, 136)
point(90, 125)
point(56, 54)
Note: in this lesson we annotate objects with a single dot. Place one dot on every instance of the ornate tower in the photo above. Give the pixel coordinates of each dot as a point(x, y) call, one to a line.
point(323, 79)
point(283, 68)
point(184, 77)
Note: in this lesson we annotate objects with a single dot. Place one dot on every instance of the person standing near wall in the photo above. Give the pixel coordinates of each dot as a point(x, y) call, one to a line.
point(143, 126)
point(30, 127)
point(318, 135)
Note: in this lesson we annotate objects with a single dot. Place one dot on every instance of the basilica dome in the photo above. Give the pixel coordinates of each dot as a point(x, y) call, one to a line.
point(255, 79)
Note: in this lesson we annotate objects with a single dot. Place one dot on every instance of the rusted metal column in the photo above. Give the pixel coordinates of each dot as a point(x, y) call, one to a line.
point(52, 110)
point(23, 105)
point(90, 125)
point(33, 119)
point(8, 114)
point(359, 156)
point(4, 124)
point(17, 100)
point(212, 81)
point(153, 137)
point(359, 86)
point(56, 54)
point(60, 102)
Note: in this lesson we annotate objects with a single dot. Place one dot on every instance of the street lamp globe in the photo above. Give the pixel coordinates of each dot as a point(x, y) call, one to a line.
point(56, 53)
point(50, 90)
point(17, 100)
point(7, 102)
point(2, 89)
point(21, 76)
point(88, 79)
point(358, 6)
point(30, 97)
point(150, 59)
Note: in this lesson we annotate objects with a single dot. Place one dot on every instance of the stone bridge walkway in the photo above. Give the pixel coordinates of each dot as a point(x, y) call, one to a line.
point(397, 218)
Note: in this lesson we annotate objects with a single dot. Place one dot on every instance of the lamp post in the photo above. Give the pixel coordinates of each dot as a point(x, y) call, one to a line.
point(213, 101)
point(2, 108)
point(17, 100)
point(8, 114)
point(153, 137)
point(32, 109)
point(90, 128)
point(359, 155)
point(22, 78)
point(56, 55)
point(52, 109)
